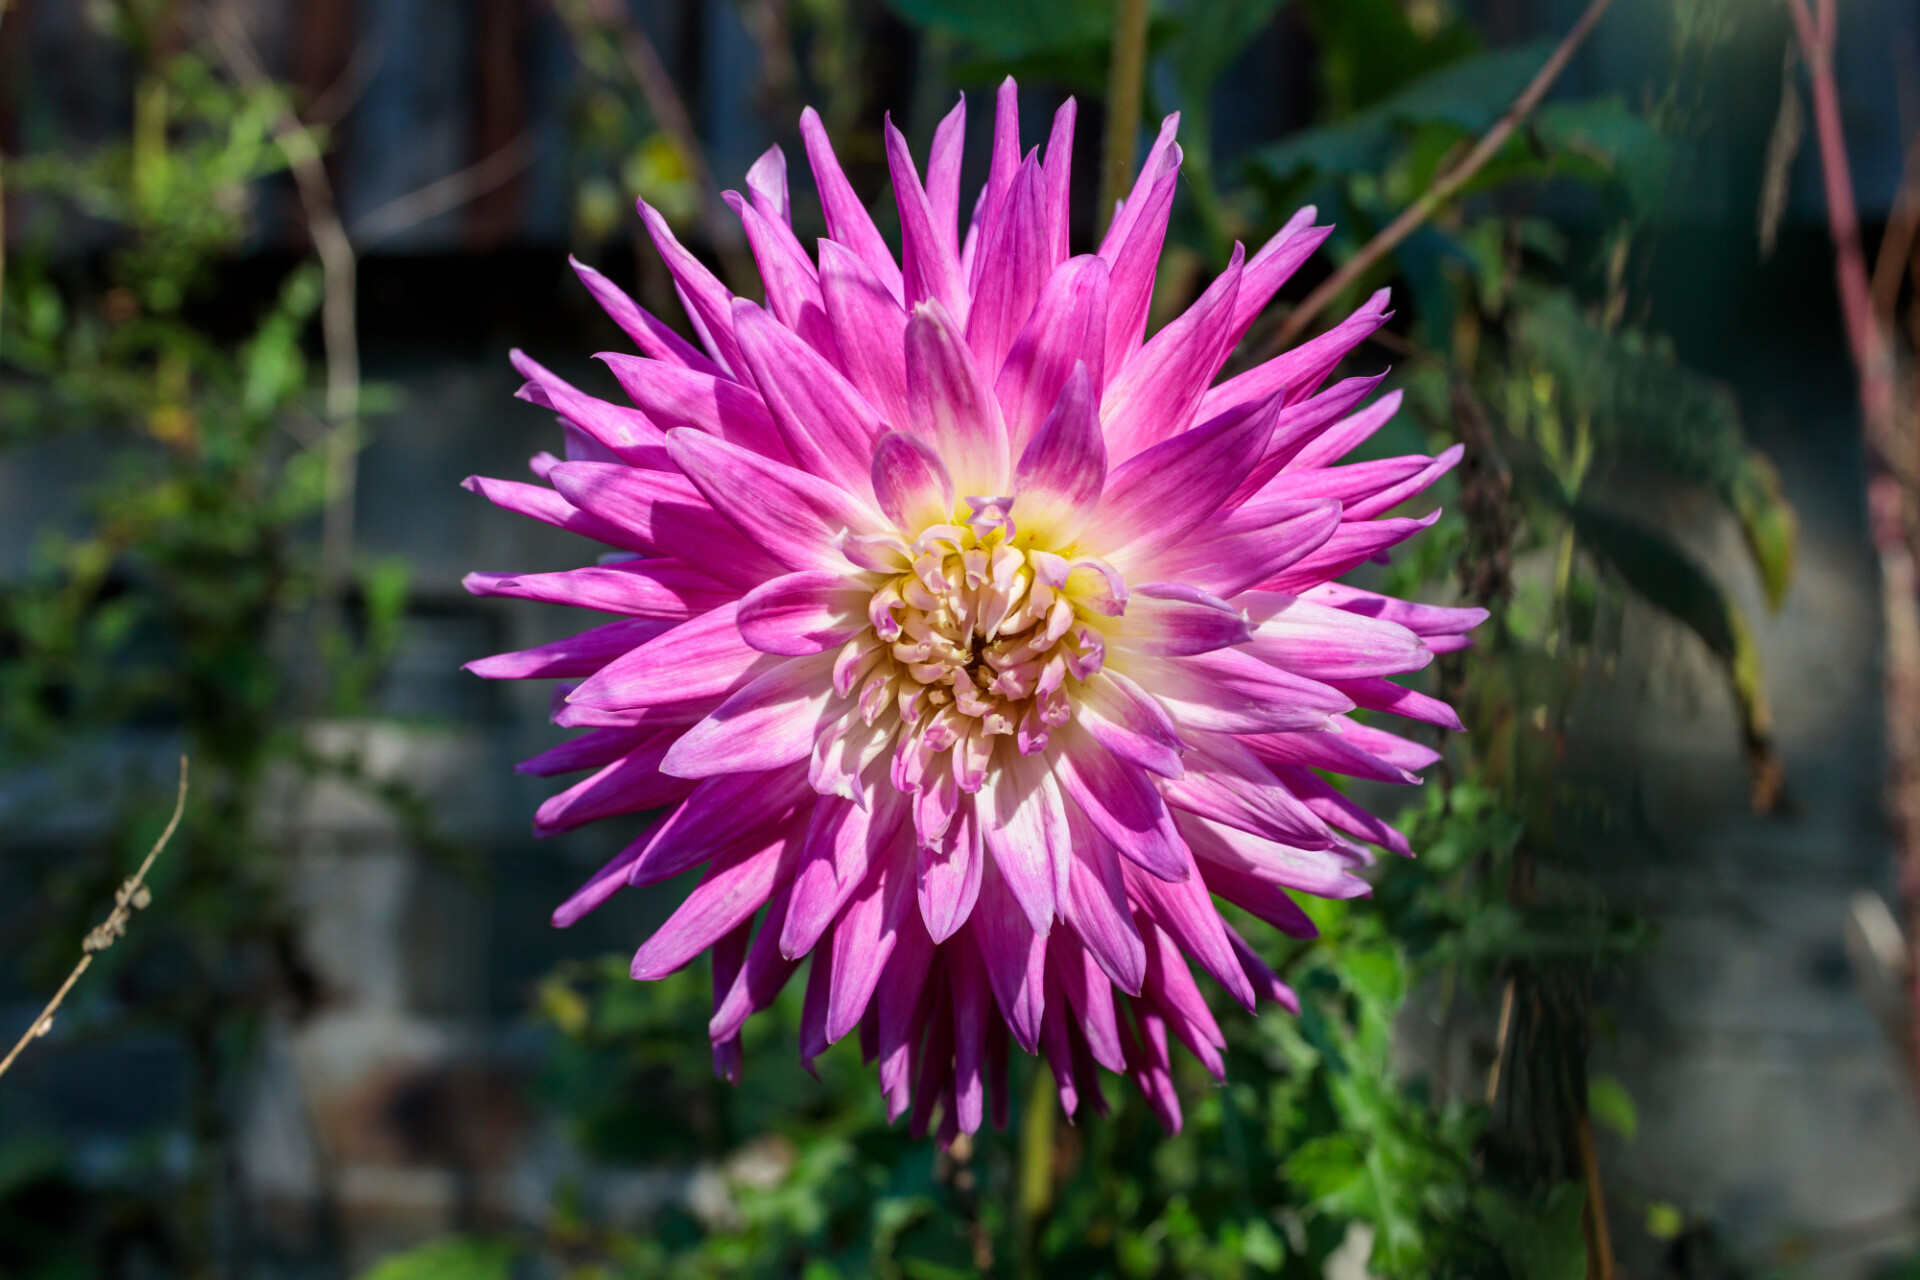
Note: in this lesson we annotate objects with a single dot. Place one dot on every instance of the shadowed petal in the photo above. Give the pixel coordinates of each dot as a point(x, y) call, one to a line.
point(803, 613)
point(828, 427)
point(769, 723)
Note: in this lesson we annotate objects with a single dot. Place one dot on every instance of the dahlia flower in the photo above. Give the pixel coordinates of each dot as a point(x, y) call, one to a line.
point(972, 640)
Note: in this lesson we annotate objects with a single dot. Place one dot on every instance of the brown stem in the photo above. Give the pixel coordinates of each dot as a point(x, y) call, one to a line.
point(1599, 1238)
point(129, 898)
point(1444, 188)
point(1896, 246)
point(1126, 77)
point(339, 270)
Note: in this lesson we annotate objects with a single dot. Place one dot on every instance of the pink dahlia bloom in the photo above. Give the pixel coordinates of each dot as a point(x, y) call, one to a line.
point(975, 642)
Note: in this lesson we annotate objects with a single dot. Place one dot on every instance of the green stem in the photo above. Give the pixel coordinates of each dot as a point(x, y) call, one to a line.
point(1125, 80)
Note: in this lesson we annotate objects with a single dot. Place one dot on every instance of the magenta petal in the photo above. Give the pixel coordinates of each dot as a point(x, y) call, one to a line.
point(577, 655)
point(1121, 803)
point(1231, 691)
point(1155, 394)
point(1332, 443)
point(771, 722)
point(1296, 373)
point(702, 658)
point(972, 1013)
point(1059, 178)
point(929, 268)
point(767, 184)
point(543, 504)
point(943, 174)
point(864, 940)
point(803, 613)
point(799, 519)
point(1260, 898)
point(721, 814)
point(1225, 782)
point(847, 220)
point(1019, 258)
point(631, 784)
point(639, 588)
point(828, 426)
point(790, 279)
point(1176, 996)
point(1350, 545)
point(594, 749)
point(911, 483)
point(1184, 909)
point(716, 404)
point(1377, 694)
point(649, 333)
point(949, 874)
point(951, 407)
point(1245, 546)
point(1067, 327)
point(1126, 720)
point(666, 514)
point(1300, 427)
point(1096, 907)
point(1004, 162)
point(626, 433)
point(899, 1002)
point(1264, 980)
point(1157, 496)
point(1324, 643)
point(1091, 997)
point(1056, 487)
point(733, 889)
point(1421, 619)
point(1025, 832)
point(843, 844)
point(1336, 810)
point(868, 325)
point(708, 301)
point(762, 976)
point(1015, 954)
point(1174, 620)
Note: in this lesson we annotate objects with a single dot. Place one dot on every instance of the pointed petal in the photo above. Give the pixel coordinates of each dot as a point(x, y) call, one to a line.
point(1350, 545)
point(1156, 394)
point(648, 332)
point(1225, 782)
point(722, 814)
point(1294, 374)
point(1157, 496)
point(732, 890)
point(709, 303)
point(770, 723)
point(701, 658)
point(1230, 691)
point(1120, 802)
point(626, 433)
point(910, 483)
point(1239, 548)
point(1175, 619)
point(540, 503)
point(863, 942)
point(578, 655)
point(666, 513)
point(827, 425)
point(1059, 179)
point(1184, 909)
point(949, 874)
point(869, 326)
point(803, 613)
point(797, 518)
point(928, 266)
point(847, 220)
point(950, 406)
point(1057, 485)
point(1096, 907)
point(673, 397)
point(1067, 327)
point(1126, 720)
point(943, 174)
point(791, 282)
point(1324, 643)
point(1015, 954)
point(631, 784)
point(639, 588)
point(767, 184)
point(1019, 258)
point(1025, 832)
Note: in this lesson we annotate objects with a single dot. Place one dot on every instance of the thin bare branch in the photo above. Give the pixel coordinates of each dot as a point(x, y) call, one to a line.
point(1126, 76)
point(1445, 187)
point(339, 267)
point(132, 896)
point(445, 194)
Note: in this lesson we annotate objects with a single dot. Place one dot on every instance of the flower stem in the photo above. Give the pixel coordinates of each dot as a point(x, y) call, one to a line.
point(1125, 80)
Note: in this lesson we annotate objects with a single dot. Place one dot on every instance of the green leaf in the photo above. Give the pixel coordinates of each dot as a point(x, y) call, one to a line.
point(1669, 579)
point(1008, 32)
point(1644, 404)
point(1625, 143)
point(1541, 1241)
point(452, 1258)
point(1370, 49)
point(1611, 1104)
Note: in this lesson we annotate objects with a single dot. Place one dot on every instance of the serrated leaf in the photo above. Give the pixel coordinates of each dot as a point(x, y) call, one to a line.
point(1643, 403)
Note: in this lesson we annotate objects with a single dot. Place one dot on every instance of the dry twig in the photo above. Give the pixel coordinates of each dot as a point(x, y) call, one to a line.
point(445, 194)
point(132, 896)
point(1444, 188)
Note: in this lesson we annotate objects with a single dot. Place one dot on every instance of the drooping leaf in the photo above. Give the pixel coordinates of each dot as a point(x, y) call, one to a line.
point(1643, 403)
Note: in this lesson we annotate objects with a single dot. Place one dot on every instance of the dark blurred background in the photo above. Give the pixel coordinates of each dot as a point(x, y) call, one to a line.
point(343, 1033)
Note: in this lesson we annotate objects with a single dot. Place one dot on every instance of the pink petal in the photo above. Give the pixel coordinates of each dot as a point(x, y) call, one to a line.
point(1132, 246)
point(767, 184)
point(1421, 619)
point(1335, 752)
point(1176, 996)
point(1323, 643)
point(828, 426)
point(863, 942)
point(1387, 499)
point(640, 589)
point(1120, 802)
point(1096, 907)
point(1024, 828)
point(1299, 426)
point(910, 483)
point(1239, 548)
point(1350, 545)
point(972, 1013)
point(1231, 691)
point(1157, 496)
point(899, 1002)
point(843, 844)
point(796, 517)
point(1377, 694)
point(709, 303)
point(1019, 258)
point(1184, 909)
point(868, 325)
point(722, 814)
point(1337, 811)
point(626, 433)
point(847, 220)
point(804, 613)
point(1002, 166)
point(1337, 441)
point(1273, 266)
point(1296, 373)
point(733, 889)
point(1067, 327)
point(1154, 395)
point(770, 723)
point(949, 874)
point(930, 270)
point(649, 333)
point(578, 655)
point(543, 504)
point(702, 658)
point(943, 174)
point(1015, 954)
point(950, 406)
point(671, 397)
point(1260, 898)
point(1056, 487)
point(1090, 996)
point(762, 977)
point(1059, 179)
point(1174, 619)
point(1225, 782)
point(791, 282)
point(631, 784)
point(1265, 980)
point(666, 514)
point(592, 750)
point(1126, 720)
